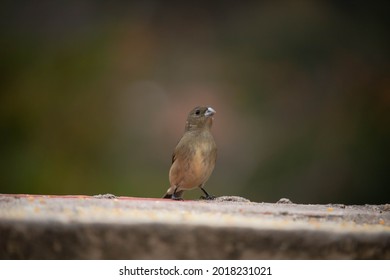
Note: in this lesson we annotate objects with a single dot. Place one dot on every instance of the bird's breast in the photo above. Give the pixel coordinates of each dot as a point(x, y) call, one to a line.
point(201, 160)
point(195, 168)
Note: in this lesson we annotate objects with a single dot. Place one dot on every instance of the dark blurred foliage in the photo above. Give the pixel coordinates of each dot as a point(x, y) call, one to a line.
point(94, 96)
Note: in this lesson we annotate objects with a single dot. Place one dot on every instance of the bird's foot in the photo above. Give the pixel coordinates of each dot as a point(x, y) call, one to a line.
point(207, 197)
point(174, 197)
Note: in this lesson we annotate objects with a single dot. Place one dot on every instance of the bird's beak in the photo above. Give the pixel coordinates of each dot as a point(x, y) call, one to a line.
point(209, 112)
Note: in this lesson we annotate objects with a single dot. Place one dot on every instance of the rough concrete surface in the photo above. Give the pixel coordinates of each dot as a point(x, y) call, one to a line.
point(105, 227)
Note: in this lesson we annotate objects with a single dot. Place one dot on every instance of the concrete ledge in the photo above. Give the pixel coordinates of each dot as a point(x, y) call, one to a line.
point(82, 227)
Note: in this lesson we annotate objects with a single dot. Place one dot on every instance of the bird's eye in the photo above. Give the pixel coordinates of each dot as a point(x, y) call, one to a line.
point(197, 112)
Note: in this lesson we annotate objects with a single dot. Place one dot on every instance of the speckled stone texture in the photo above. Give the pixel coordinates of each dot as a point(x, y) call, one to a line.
point(106, 227)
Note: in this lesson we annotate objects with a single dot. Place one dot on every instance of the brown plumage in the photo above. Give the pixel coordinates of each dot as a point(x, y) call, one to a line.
point(194, 157)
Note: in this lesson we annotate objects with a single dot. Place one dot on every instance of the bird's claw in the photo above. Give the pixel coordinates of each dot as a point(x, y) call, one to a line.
point(209, 197)
point(177, 198)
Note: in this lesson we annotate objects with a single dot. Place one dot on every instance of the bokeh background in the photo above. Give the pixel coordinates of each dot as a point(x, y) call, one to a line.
point(94, 96)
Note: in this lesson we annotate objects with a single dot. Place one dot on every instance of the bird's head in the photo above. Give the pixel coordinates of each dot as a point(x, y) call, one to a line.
point(200, 117)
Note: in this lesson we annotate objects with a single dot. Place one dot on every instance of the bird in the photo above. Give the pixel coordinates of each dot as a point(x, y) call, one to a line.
point(195, 155)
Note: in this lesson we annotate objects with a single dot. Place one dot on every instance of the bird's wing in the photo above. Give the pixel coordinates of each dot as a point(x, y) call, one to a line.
point(173, 157)
point(176, 150)
point(182, 148)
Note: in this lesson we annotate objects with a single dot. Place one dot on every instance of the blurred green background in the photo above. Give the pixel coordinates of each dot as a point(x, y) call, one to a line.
point(94, 96)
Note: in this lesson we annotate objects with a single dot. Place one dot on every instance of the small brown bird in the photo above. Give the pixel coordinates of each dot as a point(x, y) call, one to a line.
point(194, 157)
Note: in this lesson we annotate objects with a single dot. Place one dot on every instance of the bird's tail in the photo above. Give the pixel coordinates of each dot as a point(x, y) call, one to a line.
point(167, 195)
point(176, 195)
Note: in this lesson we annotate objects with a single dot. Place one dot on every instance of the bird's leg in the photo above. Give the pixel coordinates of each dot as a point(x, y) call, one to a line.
point(178, 196)
point(207, 197)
